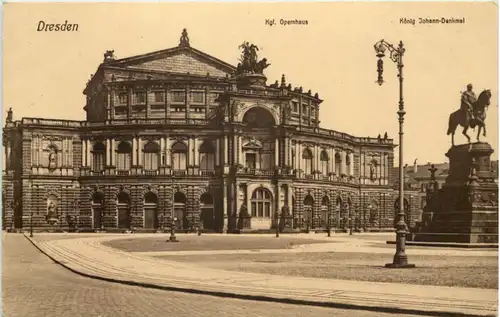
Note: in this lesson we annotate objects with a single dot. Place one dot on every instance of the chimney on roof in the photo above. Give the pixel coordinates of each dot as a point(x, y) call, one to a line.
point(415, 166)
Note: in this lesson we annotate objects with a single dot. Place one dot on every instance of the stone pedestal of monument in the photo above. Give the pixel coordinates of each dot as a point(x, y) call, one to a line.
point(465, 209)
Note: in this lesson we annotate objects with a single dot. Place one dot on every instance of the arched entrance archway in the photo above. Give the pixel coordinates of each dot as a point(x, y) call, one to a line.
point(97, 210)
point(207, 211)
point(259, 117)
point(123, 211)
point(180, 212)
point(308, 210)
point(150, 210)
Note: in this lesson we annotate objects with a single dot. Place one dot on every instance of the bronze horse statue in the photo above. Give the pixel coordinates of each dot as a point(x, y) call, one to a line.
point(460, 117)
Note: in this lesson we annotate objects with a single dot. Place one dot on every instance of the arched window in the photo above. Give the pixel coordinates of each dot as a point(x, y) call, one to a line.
point(123, 156)
point(323, 163)
point(261, 203)
point(179, 156)
point(338, 161)
point(98, 157)
point(207, 156)
point(308, 161)
point(151, 156)
point(259, 117)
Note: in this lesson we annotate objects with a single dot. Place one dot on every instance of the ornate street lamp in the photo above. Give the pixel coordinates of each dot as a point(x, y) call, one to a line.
point(396, 54)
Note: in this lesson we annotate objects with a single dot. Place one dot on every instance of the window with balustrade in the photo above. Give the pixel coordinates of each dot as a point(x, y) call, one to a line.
point(197, 97)
point(307, 157)
point(159, 96)
point(98, 157)
point(140, 97)
point(123, 98)
point(267, 156)
point(179, 156)
point(251, 160)
point(261, 203)
point(151, 154)
point(123, 156)
point(338, 161)
point(207, 156)
point(323, 162)
point(179, 97)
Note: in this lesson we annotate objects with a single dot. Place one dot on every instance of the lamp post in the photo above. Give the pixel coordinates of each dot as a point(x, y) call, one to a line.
point(350, 220)
point(329, 224)
point(277, 216)
point(396, 54)
point(77, 213)
point(172, 218)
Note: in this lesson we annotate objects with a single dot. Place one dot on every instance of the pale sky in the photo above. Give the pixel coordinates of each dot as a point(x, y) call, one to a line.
point(44, 73)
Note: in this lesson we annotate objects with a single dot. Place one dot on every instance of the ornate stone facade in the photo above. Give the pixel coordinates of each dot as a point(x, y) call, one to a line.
point(178, 136)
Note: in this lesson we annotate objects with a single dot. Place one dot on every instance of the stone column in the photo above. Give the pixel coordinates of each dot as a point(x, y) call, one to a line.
point(276, 152)
point(316, 157)
point(342, 162)
point(139, 151)
point(88, 149)
point(351, 165)
point(7, 155)
point(286, 149)
point(196, 152)
point(168, 151)
point(84, 153)
point(299, 156)
point(240, 150)
point(217, 152)
point(108, 152)
point(162, 151)
point(188, 102)
point(226, 160)
point(332, 160)
point(113, 152)
point(134, 151)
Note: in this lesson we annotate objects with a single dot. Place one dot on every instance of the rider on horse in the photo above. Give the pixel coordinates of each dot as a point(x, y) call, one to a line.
point(468, 99)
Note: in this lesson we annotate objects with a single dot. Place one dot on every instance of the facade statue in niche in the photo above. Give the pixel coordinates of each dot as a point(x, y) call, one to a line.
point(52, 213)
point(373, 170)
point(52, 158)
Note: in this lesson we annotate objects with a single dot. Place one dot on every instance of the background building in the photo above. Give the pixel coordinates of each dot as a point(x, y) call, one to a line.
point(179, 136)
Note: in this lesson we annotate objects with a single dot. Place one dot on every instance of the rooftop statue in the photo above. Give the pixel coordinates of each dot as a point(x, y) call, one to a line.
point(249, 63)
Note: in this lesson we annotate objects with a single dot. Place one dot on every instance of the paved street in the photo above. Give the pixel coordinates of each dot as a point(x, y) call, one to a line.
point(32, 285)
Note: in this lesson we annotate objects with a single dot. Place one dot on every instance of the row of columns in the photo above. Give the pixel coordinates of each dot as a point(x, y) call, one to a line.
point(137, 146)
point(316, 150)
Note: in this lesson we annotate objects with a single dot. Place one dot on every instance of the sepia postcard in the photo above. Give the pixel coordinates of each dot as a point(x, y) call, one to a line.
point(250, 159)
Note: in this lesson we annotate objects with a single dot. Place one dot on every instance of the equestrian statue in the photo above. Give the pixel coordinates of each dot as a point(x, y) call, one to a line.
point(472, 113)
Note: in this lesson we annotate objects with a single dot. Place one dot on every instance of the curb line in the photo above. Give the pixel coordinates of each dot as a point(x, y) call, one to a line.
point(262, 298)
